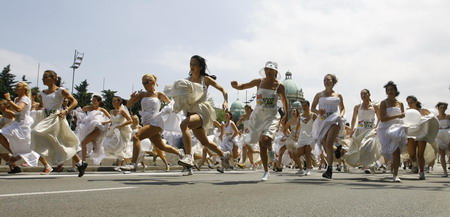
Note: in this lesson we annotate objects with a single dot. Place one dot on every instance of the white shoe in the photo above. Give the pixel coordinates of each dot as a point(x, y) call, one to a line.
point(168, 168)
point(265, 176)
point(308, 172)
point(396, 179)
point(300, 172)
point(130, 167)
point(186, 161)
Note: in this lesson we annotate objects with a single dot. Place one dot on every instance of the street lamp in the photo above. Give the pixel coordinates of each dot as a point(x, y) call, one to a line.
point(77, 59)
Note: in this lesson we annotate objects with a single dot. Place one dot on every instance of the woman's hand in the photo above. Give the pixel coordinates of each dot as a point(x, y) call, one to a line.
point(7, 96)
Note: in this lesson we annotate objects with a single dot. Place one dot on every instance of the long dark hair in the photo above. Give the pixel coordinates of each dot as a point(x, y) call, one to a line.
point(392, 84)
point(99, 99)
point(202, 63)
point(54, 75)
point(418, 104)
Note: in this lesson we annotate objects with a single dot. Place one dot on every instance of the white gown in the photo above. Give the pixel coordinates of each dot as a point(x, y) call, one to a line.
point(85, 125)
point(305, 133)
point(443, 137)
point(426, 130)
point(191, 97)
point(228, 143)
point(18, 134)
point(365, 147)
point(265, 118)
point(392, 134)
point(52, 137)
point(331, 117)
point(118, 141)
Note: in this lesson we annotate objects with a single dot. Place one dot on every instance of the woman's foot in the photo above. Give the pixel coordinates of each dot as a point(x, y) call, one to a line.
point(48, 169)
point(265, 176)
point(15, 170)
point(329, 173)
point(396, 179)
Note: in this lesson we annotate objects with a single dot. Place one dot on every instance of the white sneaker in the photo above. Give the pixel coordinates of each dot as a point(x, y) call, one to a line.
point(186, 161)
point(300, 172)
point(396, 179)
point(130, 167)
point(308, 172)
point(265, 176)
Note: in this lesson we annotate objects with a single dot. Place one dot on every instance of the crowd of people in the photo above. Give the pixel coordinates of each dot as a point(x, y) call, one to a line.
point(179, 125)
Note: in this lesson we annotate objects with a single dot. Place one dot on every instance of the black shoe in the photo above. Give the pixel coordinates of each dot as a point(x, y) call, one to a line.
point(82, 169)
point(220, 170)
point(337, 153)
point(328, 174)
point(15, 170)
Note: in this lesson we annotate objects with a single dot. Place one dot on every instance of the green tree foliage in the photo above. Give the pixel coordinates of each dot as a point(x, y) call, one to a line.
point(82, 95)
point(107, 98)
point(7, 81)
point(220, 115)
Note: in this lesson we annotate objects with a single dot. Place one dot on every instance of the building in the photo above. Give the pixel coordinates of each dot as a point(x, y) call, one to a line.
point(294, 94)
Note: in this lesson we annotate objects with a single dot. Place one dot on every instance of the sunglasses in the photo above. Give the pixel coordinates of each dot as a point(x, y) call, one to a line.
point(146, 82)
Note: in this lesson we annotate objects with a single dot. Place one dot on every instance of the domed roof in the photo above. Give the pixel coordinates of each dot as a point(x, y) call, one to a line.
point(237, 106)
point(289, 84)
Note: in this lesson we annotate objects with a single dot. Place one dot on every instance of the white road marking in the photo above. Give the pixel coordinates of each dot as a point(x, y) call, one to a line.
point(62, 192)
point(103, 174)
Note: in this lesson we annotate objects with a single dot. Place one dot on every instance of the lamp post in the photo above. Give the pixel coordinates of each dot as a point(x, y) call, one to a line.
point(77, 59)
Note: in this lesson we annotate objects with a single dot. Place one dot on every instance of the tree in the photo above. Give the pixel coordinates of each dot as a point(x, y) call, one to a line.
point(107, 98)
point(7, 82)
point(82, 95)
point(220, 114)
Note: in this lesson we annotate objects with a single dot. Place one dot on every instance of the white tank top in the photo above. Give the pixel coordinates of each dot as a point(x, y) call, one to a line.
point(150, 107)
point(307, 127)
point(52, 101)
point(330, 104)
point(366, 118)
point(229, 130)
point(444, 124)
point(267, 98)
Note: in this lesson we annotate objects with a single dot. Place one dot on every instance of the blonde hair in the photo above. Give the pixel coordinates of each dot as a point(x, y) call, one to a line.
point(151, 76)
point(27, 88)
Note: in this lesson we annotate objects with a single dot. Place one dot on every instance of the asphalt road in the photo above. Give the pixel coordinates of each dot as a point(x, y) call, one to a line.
point(235, 193)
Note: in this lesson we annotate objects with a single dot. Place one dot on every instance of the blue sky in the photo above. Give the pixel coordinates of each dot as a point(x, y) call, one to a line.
point(365, 43)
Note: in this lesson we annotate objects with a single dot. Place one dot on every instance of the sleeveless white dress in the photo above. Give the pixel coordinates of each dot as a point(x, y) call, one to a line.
point(426, 130)
point(392, 134)
point(228, 143)
point(265, 118)
point(191, 97)
point(291, 143)
point(86, 123)
point(52, 136)
point(443, 137)
point(246, 136)
point(365, 147)
point(18, 133)
point(118, 141)
point(305, 133)
point(331, 117)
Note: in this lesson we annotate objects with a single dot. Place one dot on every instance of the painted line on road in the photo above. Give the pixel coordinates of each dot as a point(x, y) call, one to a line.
point(101, 174)
point(62, 192)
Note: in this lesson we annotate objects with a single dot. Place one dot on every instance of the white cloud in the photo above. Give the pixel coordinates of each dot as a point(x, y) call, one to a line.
point(22, 65)
point(365, 43)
